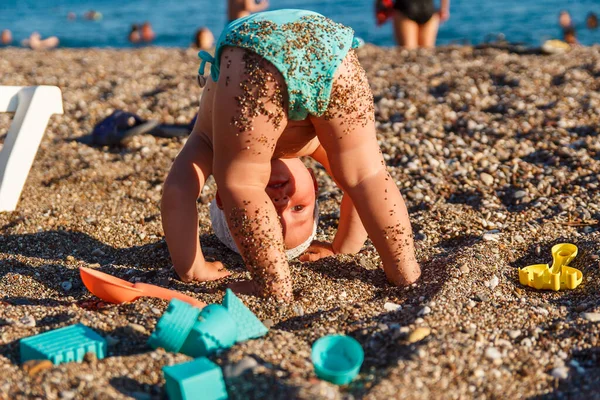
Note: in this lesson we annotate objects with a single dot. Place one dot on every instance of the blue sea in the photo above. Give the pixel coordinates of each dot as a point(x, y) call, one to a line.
point(175, 21)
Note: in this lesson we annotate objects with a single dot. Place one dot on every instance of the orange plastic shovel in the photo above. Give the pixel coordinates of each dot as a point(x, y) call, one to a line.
point(114, 290)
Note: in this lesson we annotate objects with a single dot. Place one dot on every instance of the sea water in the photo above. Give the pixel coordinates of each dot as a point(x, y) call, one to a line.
point(175, 21)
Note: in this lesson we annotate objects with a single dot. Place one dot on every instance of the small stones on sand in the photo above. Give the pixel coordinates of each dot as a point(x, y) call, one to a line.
point(418, 334)
point(392, 307)
point(591, 316)
point(491, 237)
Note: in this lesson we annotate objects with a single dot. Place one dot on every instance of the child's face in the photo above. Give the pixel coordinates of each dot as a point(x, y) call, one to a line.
point(292, 188)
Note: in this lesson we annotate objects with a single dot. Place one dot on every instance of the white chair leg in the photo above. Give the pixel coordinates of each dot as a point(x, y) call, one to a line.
point(33, 106)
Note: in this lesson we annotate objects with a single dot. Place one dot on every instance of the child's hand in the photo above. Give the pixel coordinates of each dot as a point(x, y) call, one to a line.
point(211, 271)
point(317, 250)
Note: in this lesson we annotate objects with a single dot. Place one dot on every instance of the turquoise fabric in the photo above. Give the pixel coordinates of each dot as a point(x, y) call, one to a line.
point(306, 47)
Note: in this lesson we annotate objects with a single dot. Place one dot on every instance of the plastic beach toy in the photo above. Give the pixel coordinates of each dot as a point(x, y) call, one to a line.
point(185, 329)
point(337, 358)
point(67, 344)
point(114, 290)
point(556, 277)
point(200, 378)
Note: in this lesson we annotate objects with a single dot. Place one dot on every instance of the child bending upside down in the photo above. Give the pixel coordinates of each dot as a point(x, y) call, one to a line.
point(284, 84)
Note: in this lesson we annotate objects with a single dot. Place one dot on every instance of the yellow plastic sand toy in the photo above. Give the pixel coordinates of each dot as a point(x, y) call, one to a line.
point(555, 277)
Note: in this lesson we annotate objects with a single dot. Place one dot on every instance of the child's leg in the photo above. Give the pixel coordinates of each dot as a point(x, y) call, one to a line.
point(249, 117)
point(347, 132)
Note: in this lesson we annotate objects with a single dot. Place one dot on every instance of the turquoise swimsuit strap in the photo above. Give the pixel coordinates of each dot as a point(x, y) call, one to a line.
point(214, 70)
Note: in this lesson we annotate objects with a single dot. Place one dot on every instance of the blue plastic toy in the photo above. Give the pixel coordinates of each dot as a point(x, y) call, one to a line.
point(188, 330)
point(197, 379)
point(66, 344)
point(337, 358)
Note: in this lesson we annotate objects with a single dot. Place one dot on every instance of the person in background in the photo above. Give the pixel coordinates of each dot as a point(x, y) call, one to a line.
point(241, 8)
point(146, 32)
point(35, 42)
point(203, 39)
point(564, 19)
point(570, 35)
point(592, 21)
point(416, 22)
point(93, 15)
point(6, 37)
point(134, 35)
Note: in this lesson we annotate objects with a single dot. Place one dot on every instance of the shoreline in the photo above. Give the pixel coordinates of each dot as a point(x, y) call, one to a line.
point(495, 153)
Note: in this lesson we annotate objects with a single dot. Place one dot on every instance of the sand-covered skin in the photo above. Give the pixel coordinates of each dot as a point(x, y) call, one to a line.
point(481, 142)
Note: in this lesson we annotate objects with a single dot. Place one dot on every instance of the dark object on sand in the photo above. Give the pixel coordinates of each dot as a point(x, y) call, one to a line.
point(119, 127)
point(498, 41)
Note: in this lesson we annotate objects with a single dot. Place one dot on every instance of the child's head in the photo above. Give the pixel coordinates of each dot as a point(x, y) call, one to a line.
point(292, 188)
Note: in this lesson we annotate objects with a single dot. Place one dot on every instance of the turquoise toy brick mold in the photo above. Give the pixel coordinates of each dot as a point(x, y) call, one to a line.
point(248, 326)
point(62, 345)
point(197, 379)
point(185, 329)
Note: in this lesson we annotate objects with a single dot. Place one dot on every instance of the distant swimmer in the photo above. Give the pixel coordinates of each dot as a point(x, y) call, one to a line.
point(134, 35)
point(6, 37)
point(592, 21)
point(147, 33)
point(93, 15)
point(35, 42)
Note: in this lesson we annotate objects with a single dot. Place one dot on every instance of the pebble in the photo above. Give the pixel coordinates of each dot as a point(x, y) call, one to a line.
point(418, 334)
point(487, 179)
point(560, 372)
point(156, 311)
point(492, 283)
point(424, 311)
point(299, 310)
point(519, 194)
point(33, 367)
point(591, 316)
point(492, 353)
point(97, 252)
point(491, 237)
point(464, 269)
point(238, 369)
point(134, 329)
point(391, 307)
point(513, 334)
point(27, 321)
point(268, 323)
point(66, 285)
point(67, 394)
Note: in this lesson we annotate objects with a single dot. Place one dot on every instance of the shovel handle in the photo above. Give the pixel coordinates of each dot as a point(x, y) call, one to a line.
point(167, 294)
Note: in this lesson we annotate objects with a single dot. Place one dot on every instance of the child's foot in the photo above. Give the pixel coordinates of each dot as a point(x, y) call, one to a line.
point(212, 271)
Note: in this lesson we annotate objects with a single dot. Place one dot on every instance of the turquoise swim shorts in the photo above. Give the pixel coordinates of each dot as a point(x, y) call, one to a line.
point(306, 47)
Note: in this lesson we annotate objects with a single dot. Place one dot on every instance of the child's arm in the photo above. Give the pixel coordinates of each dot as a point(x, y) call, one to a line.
point(180, 215)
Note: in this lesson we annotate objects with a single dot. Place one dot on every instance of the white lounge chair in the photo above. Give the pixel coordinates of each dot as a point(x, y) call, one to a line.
point(33, 106)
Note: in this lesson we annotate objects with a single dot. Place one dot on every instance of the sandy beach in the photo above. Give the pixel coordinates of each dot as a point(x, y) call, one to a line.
point(496, 154)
